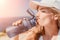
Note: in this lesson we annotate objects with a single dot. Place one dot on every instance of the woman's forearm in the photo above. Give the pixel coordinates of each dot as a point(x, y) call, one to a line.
point(32, 34)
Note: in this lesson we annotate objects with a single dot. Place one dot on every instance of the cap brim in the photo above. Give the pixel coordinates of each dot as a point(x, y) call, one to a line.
point(35, 4)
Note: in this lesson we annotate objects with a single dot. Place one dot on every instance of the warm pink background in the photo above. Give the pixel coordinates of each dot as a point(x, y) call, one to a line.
point(13, 8)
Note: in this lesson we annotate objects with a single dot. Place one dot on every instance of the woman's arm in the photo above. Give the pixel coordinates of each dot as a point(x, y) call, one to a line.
point(31, 34)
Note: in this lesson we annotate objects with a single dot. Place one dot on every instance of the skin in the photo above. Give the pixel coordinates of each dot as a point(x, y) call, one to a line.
point(45, 19)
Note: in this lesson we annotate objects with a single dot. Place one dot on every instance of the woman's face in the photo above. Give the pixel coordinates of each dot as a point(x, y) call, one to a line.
point(44, 16)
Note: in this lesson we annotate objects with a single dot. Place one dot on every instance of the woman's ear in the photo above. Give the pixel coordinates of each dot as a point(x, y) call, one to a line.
point(55, 17)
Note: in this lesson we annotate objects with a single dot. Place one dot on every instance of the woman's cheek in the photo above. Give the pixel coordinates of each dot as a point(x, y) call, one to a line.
point(47, 21)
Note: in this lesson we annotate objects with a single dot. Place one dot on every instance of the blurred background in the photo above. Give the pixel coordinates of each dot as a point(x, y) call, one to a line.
point(12, 10)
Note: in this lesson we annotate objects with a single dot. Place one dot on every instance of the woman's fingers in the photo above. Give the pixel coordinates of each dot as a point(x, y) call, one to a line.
point(17, 22)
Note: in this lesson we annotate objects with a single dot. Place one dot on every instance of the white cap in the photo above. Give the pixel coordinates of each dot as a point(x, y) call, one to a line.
point(46, 3)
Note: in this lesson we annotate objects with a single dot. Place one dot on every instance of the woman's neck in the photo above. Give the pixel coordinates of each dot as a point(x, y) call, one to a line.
point(50, 31)
point(52, 27)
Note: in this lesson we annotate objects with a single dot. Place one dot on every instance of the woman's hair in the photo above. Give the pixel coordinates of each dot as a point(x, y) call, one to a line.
point(56, 12)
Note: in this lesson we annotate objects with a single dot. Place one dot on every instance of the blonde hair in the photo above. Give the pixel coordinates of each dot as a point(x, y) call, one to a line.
point(57, 12)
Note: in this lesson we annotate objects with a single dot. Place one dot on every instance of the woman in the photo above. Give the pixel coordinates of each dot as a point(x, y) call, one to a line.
point(47, 17)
